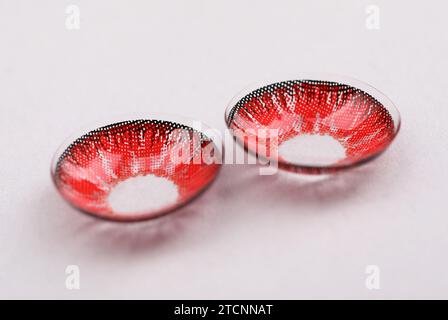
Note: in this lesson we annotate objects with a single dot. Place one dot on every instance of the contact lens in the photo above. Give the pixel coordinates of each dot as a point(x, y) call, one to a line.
point(134, 169)
point(314, 124)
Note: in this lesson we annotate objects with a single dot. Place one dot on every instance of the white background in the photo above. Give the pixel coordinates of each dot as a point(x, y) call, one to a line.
point(248, 236)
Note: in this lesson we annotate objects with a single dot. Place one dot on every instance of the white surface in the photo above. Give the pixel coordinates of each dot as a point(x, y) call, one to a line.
point(148, 193)
point(249, 236)
point(312, 149)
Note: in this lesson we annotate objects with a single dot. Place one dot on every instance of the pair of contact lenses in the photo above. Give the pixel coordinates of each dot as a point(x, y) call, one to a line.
point(142, 168)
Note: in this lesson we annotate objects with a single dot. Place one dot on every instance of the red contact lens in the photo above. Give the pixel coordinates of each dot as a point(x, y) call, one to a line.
point(314, 126)
point(135, 170)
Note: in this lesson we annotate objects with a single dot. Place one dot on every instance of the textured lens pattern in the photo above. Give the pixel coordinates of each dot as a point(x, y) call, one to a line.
point(353, 117)
point(92, 165)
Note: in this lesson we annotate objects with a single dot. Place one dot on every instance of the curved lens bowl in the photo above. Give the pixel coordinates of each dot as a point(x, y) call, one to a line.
point(136, 169)
point(314, 123)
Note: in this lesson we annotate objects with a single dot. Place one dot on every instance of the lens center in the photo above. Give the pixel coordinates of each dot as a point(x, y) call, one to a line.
point(312, 149)
point(142, 194)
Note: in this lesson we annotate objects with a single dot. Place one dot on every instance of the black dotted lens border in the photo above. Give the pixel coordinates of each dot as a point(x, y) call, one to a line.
point(124, 126)
point(291, 86)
